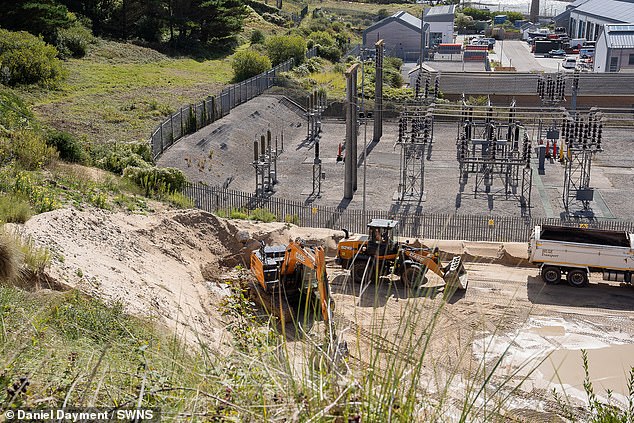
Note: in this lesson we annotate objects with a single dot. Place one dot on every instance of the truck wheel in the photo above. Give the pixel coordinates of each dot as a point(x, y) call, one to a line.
point(577, 278)
point(413, 276)
point(551, 274)
point(358, 269)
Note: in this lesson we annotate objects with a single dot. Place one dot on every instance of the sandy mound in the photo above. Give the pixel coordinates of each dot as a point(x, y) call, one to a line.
point(153, 264)
point(504, 253)
point(169, 265)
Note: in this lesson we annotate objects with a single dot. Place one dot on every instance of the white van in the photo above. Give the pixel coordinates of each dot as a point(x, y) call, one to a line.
point(569, 63)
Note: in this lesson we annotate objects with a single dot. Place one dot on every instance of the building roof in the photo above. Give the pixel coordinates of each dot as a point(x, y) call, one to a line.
point(441, 10)
point(401, 17)
point(619, 36)
point(576, 4)
point(610, 10)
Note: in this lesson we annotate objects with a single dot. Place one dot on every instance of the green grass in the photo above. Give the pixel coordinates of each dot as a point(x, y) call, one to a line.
point(23, 193)
point(121, 92)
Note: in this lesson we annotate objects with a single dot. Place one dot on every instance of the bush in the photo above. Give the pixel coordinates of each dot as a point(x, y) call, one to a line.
point(27, 149)
point(68, 147)
point(14, 113)
point(326, 45)
point(156, 180)
point(26, 59)
point(393, 62)
point(262, 215)
point(14, 209)
point(116, 157)
point(257, 37)
point(249, 63)
point(284, 47)
point(74, 41)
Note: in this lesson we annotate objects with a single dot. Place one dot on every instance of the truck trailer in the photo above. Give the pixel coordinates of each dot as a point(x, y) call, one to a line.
point(575, 252)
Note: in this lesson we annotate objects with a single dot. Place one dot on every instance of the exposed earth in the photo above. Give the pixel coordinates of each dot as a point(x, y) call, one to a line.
point(174, 266)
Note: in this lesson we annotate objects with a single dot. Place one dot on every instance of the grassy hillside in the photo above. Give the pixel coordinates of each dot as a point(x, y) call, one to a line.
point(121, 91)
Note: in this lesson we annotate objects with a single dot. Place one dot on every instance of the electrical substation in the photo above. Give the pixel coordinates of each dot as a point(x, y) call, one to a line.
point(424, 155)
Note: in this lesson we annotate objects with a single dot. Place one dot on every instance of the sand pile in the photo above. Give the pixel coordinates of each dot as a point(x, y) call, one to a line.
point(169, 265)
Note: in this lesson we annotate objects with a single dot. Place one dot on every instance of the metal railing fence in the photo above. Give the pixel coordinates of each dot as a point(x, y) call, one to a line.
point(189, 119)
point(426, 225)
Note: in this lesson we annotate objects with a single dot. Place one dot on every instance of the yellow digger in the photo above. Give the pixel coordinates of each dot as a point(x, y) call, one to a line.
point(379, 254)
point(292, 276)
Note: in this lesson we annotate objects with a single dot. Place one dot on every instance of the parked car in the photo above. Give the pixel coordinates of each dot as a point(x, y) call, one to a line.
point(569, 63)
point(556, 53)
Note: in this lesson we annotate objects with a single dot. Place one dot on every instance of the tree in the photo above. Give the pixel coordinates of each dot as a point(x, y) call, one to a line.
point(514, 16)
point(284, 47)
point(463, 21)
point(249, 63)
point(477, 14)
point(39, 17)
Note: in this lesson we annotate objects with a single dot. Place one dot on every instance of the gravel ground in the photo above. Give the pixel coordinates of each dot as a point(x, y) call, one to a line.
point(223, 152)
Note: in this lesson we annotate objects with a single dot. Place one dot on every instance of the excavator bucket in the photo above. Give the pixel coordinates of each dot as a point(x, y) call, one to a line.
point(456, 275)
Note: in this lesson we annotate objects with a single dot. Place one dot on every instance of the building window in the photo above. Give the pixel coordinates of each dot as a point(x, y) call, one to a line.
point(614, 64)
point(631, 61)
point(435, 38)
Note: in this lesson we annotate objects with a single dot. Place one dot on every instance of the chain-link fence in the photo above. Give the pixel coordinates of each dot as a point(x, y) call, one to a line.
point(191, 118)
point(425, 225)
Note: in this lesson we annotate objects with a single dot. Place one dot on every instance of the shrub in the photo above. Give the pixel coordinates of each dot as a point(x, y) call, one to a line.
point(156, 180)
point(257, 37)
point(9, 258)
point(74, 41)
point(14, 209)
point(262, 215)
point(393, 62)
point(326, 45)
point(116, 157)
point(68, 147)
point(249, 63)
point(28, 149)
point(180, 201)
point(292, 218)
point(26, 59)
point(14, 113)
point(284, 47)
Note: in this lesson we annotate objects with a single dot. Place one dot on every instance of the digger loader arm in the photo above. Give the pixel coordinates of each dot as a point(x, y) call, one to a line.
point(454, 274)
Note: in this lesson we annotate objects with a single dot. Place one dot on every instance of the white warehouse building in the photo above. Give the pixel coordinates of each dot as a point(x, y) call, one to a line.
point(615, 49)
point(588, 17)
point(441, 22)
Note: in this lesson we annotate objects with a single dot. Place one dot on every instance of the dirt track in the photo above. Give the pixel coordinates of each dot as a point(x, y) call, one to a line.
point(507, 307)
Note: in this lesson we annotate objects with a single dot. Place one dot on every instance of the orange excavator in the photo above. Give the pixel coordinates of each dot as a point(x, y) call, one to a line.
point(290, 277)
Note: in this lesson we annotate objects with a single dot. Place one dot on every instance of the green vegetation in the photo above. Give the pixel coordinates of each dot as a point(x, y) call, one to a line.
point(249, 63)
point(154, 180)
point(258, 214)
point(280, 48)
point(184, 24)
point(25, 59)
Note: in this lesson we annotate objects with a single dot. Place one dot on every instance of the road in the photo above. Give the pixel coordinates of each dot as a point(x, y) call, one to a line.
point(517, 53)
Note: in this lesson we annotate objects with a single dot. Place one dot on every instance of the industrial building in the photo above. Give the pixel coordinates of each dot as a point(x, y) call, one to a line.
point(441, 24)
point(615, 49)
point(401, 34)
point(588, 17)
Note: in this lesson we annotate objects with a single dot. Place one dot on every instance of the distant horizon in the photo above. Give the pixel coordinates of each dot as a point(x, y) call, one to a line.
point(546, 7)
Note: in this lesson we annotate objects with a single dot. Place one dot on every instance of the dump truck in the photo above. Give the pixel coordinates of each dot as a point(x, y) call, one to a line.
point(575, 252)
point(379, 254)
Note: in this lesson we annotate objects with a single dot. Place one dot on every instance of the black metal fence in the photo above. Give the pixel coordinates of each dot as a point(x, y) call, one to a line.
point(189, 119)
point(427, 225)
